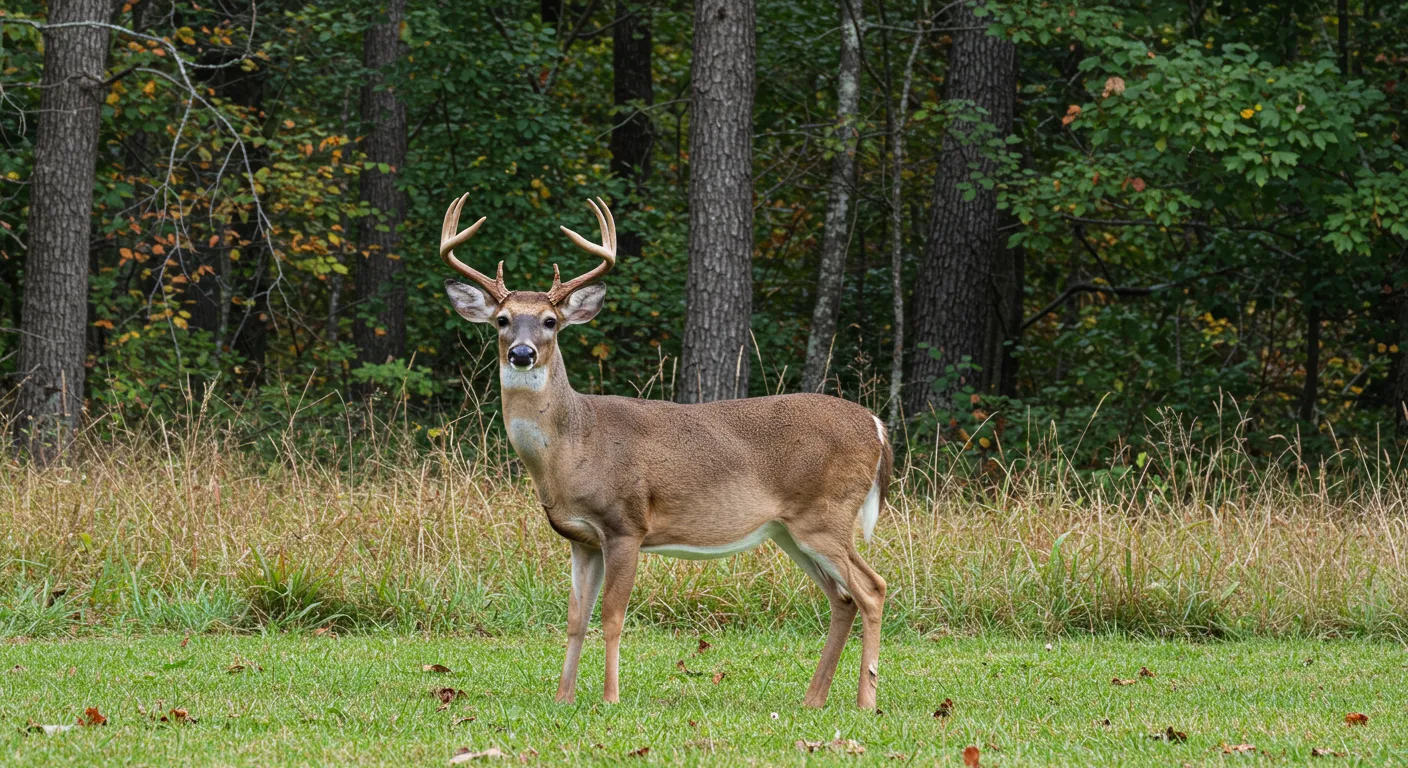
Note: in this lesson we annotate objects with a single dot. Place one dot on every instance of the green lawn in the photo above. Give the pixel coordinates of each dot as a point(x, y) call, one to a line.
point(364, 700)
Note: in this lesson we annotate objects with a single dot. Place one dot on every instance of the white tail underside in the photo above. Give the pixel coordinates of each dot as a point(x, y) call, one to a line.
point(870, 509)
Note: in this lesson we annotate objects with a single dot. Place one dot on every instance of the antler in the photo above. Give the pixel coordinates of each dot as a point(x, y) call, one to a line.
point(606, 252)
point(448, 241)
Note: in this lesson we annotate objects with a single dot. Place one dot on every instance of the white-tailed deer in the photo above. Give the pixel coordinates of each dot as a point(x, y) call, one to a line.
point(619, 476)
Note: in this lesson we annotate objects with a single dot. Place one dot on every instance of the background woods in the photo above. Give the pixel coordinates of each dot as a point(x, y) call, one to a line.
point(1032, 212)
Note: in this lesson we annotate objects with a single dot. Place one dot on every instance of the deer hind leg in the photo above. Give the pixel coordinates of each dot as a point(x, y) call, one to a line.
point(843, 616)
point(869, 592)
point(587, 571)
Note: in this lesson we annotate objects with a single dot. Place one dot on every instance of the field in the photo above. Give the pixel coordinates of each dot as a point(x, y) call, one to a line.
point(364, 700)
point(1268, 600)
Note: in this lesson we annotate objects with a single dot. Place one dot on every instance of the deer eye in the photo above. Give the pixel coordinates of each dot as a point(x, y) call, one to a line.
point(503, 321)
point(550, 323)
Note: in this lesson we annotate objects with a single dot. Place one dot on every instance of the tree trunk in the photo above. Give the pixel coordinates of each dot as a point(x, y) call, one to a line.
point(380, 329)
point(835, 234)
point(952, 295)
point(719, 290)
point(1311, 390)
point(54, 317)
point(631, 134)
point(1398, 382)
point(898, 118)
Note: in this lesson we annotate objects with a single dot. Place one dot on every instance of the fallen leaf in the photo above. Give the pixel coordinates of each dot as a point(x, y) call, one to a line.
point(1356, 718)
point(642, 752)
point(92, 717)
point(1170, 735)
point(464, 755)
point(681, 667)
point(185, 641)
point(460, 720)
point(1105, 722)
point(325, 630)
point(241, 665)
point(15, 670)
point(48, 730)
point(1144, 672)
point(945, 709)
point(844, 746)
point(703, 646)
point(447, 695)
point(1118, 681)
point(1324, 752)
point(439, 669)
point(1229, 749)
point(970, 756)
point(719, 676)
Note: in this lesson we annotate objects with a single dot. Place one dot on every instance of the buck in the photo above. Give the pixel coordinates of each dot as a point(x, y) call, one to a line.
point(619, 476)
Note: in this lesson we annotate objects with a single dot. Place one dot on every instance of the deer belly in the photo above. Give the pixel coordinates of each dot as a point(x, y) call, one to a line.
point(685, 551)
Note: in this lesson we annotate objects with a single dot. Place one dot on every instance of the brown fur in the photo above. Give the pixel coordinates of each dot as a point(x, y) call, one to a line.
point(617, 474)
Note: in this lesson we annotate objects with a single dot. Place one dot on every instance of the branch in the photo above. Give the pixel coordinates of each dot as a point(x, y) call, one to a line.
point(1112, 290)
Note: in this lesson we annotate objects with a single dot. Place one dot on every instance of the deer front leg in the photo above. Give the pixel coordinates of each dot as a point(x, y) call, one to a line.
point(621, 557)
point(587, 570)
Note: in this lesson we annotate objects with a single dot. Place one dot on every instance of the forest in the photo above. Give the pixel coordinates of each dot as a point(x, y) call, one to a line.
point(987, 221)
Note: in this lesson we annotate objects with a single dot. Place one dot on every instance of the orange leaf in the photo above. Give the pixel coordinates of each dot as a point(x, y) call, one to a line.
point(1356, 718)
point(970, 756)
point(91, 717)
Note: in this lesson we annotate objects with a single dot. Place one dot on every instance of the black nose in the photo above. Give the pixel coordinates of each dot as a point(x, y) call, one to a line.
point(521, 356)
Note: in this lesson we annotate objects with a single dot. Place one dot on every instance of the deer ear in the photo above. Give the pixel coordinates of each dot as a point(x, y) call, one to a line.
point(583, 304)
point(472, 304)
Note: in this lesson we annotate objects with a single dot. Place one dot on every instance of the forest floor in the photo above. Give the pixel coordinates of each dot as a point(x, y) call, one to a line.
point(368, 699)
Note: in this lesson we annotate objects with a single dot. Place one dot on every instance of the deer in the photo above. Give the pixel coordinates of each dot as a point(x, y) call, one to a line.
point(620, 476)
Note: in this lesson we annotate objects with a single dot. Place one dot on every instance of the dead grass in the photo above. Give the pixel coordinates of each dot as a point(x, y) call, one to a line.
point(185, 528)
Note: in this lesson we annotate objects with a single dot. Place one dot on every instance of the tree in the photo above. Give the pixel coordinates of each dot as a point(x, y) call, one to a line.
point(719, 285)
point(380, 330)
point(953, 292)
point(835, 237)
point(631, 135)
point(54, 321)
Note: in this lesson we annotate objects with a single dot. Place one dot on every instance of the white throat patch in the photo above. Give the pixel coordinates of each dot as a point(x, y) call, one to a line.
point(533, 379)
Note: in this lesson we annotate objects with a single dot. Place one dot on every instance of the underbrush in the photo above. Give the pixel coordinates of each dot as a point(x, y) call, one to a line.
point(183, 529)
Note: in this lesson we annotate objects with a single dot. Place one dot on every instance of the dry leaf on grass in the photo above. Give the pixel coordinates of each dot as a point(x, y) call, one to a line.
point(178, 716)
point(1170, 735)
point(1324, 752)
point(1231, 749)
point(240, 665)
point(680, 665)
point(439, 669)
point(92, 717)
point(703, 646)
point(1356, 718)
point(327, 630)
point(719, 676)
point(945, 709)
point(447, 695)
point(642, 752)
point(970, 756)
point(464, 755)
point(1144, 672)
point(15, 670)
point(47, 730)
point(1121, 681)
point(844, 746)
point(459, 720)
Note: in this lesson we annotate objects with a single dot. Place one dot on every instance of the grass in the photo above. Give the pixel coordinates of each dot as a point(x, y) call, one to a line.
point(184, 529)
point(363, 700)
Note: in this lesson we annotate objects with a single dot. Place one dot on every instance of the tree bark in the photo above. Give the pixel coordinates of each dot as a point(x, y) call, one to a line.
point(835, 233)
point(1311, 390)
point(898, 118)
point(380, 329)
point(719, 290)
point(1398, 381)
point(632, 135)
point(952, 295)
point(54, 318)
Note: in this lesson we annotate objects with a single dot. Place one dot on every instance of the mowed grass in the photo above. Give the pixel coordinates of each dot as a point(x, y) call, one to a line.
point(364, 700)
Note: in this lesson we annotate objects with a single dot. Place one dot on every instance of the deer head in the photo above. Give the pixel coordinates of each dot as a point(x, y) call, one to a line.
point(528, 321)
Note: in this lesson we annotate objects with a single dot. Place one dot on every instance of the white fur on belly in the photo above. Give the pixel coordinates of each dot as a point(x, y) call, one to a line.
point(533, 379)
point(688, 552)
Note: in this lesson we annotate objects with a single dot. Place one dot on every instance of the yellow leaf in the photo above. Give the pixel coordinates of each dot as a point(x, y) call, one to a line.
point(984, 442)
point(179, 322)
point(1247, 114)
point(600, 351)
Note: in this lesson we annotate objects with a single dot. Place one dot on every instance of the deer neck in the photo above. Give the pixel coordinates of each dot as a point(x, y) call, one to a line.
point(540, 410)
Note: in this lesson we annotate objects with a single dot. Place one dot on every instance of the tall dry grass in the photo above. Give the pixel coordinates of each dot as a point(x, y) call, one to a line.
point(184, 528)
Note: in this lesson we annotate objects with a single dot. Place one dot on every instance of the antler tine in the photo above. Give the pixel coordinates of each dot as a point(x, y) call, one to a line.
point(606, 251)
point(449, 241)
